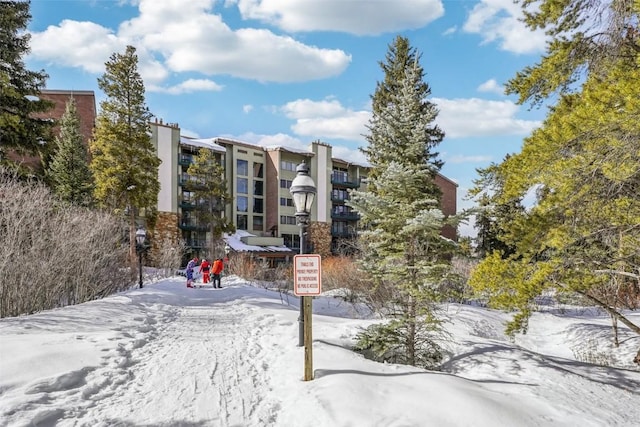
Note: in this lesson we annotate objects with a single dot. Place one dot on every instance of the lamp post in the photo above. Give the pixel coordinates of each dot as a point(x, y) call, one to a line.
point(303, 190)
point(141, 237)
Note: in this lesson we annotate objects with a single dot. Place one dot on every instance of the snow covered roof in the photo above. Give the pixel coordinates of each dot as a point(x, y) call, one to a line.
point(350, 162)
point(202, 143)
point(289, 149)
point(235, 242)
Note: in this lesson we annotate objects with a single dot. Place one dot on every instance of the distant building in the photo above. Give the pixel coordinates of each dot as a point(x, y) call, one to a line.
point(86, 105)
point(262, 209)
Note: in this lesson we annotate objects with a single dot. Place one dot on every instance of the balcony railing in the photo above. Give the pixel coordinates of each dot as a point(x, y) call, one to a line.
point(345, 216)
point(192, 226)
point(345, 180)
point(185, 159)
point(339, 199)
point(187, 204)
point(197, 243)
point(348, 234)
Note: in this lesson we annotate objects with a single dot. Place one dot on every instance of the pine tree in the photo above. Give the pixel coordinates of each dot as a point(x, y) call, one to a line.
point(20, 131)
point(585, 37)
point(124, 161)
point(69, 172)
point(401, 245)
point(581, 236)
point(388, 138)
point(210, 192)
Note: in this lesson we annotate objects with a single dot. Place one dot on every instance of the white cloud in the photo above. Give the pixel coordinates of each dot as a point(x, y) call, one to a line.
point(499, 21)
point(329, 119)
point(183, 36)
point(450, 30)
point(345, 153)
point(326, 119)
point(461, 118)
point(247, 108)
point(188, 86)
point(355, 17)
point(84, 45)
point(491, 86)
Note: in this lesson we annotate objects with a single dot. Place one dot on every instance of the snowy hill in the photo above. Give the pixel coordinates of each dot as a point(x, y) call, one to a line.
point(166, 355)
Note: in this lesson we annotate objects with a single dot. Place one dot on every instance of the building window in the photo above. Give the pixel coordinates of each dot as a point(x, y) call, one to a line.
point(291, 240)
point(258, 223)
point(258, 205)
point(241, 222)
point(340, 210)
point(285, 183)
point(288, 166)
point(258, 188)
point(242, 167)
point(339, 227)
point(242, 185)
point(284, 201)
point(242, 204)
point(286, 219)
point(338, 194)
point(258, 170)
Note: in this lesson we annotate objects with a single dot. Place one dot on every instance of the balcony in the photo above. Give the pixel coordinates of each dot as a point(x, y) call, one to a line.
point(197, 243)
point(187, 204)
point(339, 199)
point(190, 181)
point(347, 234)
point(345, 216)
point(343, 180)
point(185, 159)
point(192, 226)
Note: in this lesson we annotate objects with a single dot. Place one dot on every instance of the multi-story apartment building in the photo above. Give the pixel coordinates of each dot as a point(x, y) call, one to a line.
point(262, 210)
point(259, 180)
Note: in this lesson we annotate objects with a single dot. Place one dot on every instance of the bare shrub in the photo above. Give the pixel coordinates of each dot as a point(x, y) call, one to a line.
point(243, 266)
point(52, 253)
point(168, 255)
point(588, 352)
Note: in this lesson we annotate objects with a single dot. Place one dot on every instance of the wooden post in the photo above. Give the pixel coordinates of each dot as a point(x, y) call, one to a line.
point(308, 338)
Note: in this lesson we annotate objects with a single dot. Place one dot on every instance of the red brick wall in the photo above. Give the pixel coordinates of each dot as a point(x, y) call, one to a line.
point(85, 102)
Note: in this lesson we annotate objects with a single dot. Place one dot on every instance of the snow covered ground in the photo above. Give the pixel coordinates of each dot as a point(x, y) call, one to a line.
point(166, 355)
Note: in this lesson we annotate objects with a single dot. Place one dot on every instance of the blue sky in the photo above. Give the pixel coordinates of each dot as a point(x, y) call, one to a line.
point(292, 71)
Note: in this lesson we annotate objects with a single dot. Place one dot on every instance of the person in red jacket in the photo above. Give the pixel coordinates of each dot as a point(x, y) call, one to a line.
point(205, 266)
point(216, 269)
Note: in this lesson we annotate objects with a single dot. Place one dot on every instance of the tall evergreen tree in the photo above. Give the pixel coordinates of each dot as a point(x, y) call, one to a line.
point(582, 234)
point(585, 37)
point(69, 172)
point(401, 245)
point(124, 160)
point(210, 192)
point(20, 130)
point(387, 138)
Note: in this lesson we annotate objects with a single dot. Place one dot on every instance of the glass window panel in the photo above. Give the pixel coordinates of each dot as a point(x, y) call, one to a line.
point(258, 188)
point(258, 205)
point(258, 170)
point(242, 185)
point(243, 167)
point(242, 204)
point(241, 222)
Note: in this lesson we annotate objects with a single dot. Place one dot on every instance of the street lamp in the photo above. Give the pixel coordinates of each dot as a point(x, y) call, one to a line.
point(303, 190)
point(141, 237)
